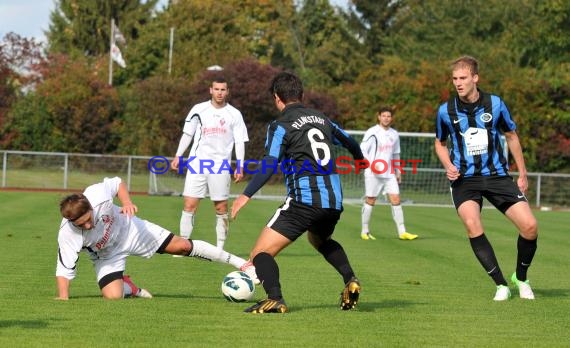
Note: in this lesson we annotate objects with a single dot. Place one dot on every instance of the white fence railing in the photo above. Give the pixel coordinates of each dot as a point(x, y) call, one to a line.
point(74, 171)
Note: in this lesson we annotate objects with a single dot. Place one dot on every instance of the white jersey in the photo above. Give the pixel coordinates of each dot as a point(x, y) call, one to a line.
point(108, 231)
point(380, 145)
point(214, 132)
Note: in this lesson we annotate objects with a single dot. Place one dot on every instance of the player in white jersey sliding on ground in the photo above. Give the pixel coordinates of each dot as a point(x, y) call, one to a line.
point(109, 233)
point(215, 126)
point(381, 146)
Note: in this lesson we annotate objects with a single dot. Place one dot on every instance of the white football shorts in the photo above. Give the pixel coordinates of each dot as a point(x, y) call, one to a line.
point(143, 239)
point(374, 185)
point(217, 185)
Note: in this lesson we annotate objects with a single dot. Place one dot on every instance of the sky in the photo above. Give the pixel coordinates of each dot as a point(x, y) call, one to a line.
point(30, 18)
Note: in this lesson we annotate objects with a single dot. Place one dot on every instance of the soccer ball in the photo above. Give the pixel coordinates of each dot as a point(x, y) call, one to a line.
point(238, 287)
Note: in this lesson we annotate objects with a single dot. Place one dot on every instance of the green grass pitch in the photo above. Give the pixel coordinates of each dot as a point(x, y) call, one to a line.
point(430, 292)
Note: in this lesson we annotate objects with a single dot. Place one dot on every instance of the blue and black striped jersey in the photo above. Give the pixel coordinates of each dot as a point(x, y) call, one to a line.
point(301, 142)
point(475, 134)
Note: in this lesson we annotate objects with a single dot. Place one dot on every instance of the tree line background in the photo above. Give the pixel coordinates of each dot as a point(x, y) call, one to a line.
point(56, 97)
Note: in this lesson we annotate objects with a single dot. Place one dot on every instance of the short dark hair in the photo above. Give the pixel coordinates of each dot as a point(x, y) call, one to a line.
point(386, 109)
point(219, 79)
point(287, 86)
point(74, 206)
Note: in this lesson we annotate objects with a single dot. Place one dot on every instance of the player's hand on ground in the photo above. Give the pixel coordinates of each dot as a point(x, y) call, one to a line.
point(238, 204)
point(129, 209)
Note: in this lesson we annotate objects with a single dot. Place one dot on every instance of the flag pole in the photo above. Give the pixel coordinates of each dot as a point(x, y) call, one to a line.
point(170, 50)
point(111, 38)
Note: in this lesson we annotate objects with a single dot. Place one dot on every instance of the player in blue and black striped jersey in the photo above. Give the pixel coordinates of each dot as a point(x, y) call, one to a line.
point(299, 143)
point(473, 122)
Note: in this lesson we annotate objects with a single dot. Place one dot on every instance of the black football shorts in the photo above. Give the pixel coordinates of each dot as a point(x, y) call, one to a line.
point(500, 191)
point(292, 219)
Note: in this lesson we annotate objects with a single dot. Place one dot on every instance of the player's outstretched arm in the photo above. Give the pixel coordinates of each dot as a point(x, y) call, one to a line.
point(239, 203)
point(347, 142)
point(62, 288)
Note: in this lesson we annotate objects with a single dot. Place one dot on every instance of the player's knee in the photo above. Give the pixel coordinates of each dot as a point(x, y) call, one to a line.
point(222, 213)
point(112, 293)
point(185, 246)
point(370, 200)
point(395, 200)
point(472, 225)
point(530, 229)
point(190, 208)
point(191, 205)
point(256, 252)
point(221, 207)
point(112, 296)
point(179, 246)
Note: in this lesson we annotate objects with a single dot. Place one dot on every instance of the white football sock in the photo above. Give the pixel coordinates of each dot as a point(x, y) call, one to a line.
point(222, 229)
point(186, 224)
point(398, 216)
point(207, 251)
point(365, 215)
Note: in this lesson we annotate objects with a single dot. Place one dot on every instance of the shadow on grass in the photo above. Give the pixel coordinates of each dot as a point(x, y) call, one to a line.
point(551, 292)
point(154, 296)
point(365, 307)
point(25, 324)
point(186, 296)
